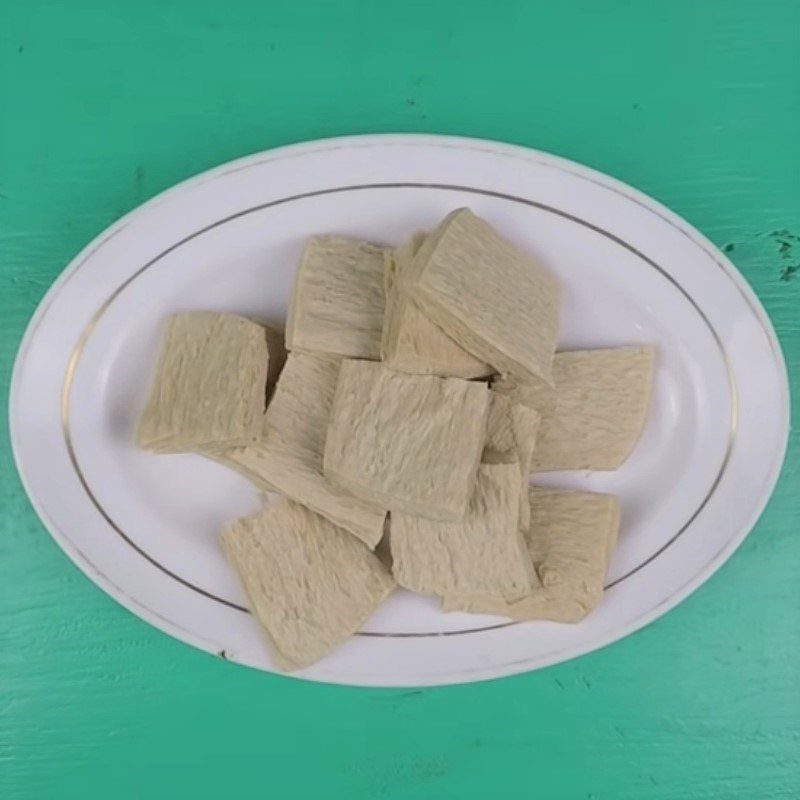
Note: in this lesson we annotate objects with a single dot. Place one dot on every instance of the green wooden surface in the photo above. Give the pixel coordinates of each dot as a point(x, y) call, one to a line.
point(103, 104)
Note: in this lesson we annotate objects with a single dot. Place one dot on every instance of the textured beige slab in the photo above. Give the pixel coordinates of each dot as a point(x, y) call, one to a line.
point(411, 342)
point(570, 541)
point(276, 344)
point(309, 583)
point(288, 454)
point(409, 443)
point(495, 301)
point(595, 415)
point(338, 302)
point(511, 432)
point(484, 554)
point(533, 394)
point(209, 385)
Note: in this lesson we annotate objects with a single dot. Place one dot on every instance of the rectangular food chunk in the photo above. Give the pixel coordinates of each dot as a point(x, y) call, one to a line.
point(339, 297)
point(595, 415)
point(209, 384)
point(511, 432)
point(309, 583)
point(510, 439)
point(409, 443)
point(570, 541)
point(287, 457)
point(484, 554)
point(276, 347)
point(411, 342)
point(537, 394)
point(496, 302)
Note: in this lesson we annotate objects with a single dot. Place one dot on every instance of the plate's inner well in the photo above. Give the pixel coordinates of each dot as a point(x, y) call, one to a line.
point(172, 508)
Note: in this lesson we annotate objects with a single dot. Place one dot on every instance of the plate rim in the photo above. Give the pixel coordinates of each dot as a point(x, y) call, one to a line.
point(454, 142)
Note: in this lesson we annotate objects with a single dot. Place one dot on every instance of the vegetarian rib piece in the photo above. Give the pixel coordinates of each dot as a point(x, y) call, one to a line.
point(484, 554)
point(533, 394)
point(510, 439)
point(209, 385)
point(287, 457)
point(309, 583)
point(511, 432)
point(408, 443)
point(338, 302)
point(495, 301)
point(570, 541)
point(411, 342)
point(595, 415)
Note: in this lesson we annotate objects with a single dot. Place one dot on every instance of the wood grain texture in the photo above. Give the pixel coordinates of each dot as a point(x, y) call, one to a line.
point(104, 104)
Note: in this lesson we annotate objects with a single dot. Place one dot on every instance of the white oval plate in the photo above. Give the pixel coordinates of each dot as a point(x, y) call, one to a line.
point(145, 527)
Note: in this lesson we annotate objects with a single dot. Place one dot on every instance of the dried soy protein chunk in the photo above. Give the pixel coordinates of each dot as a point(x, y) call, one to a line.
point(299, 478)
point(495, 301)
point(287, 457)
point(570, 541)
point(409, 443)
point(276, 347)
point(532, 394)
point(309, 583)
point(511, 432)
point(599, 409)
point(484, 554)
point(339, 297)
point(209, 385)
point(411, 342)
point(298, 415)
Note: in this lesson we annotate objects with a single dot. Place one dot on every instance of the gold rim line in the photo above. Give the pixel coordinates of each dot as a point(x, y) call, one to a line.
point(87, 331)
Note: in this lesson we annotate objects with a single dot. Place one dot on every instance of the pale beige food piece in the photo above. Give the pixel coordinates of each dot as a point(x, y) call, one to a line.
point(411, 342)
point(495, 301)
point(484, 554)
point(511, 432)
point(510, 439)
point(570, 541)
point(408, 443)
point(298, 478)
point(209, 384)
point(600, 406)
point(288, 454)
point(309, 583)
point(276, 347)
point(338, 302)
point(533, 394)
